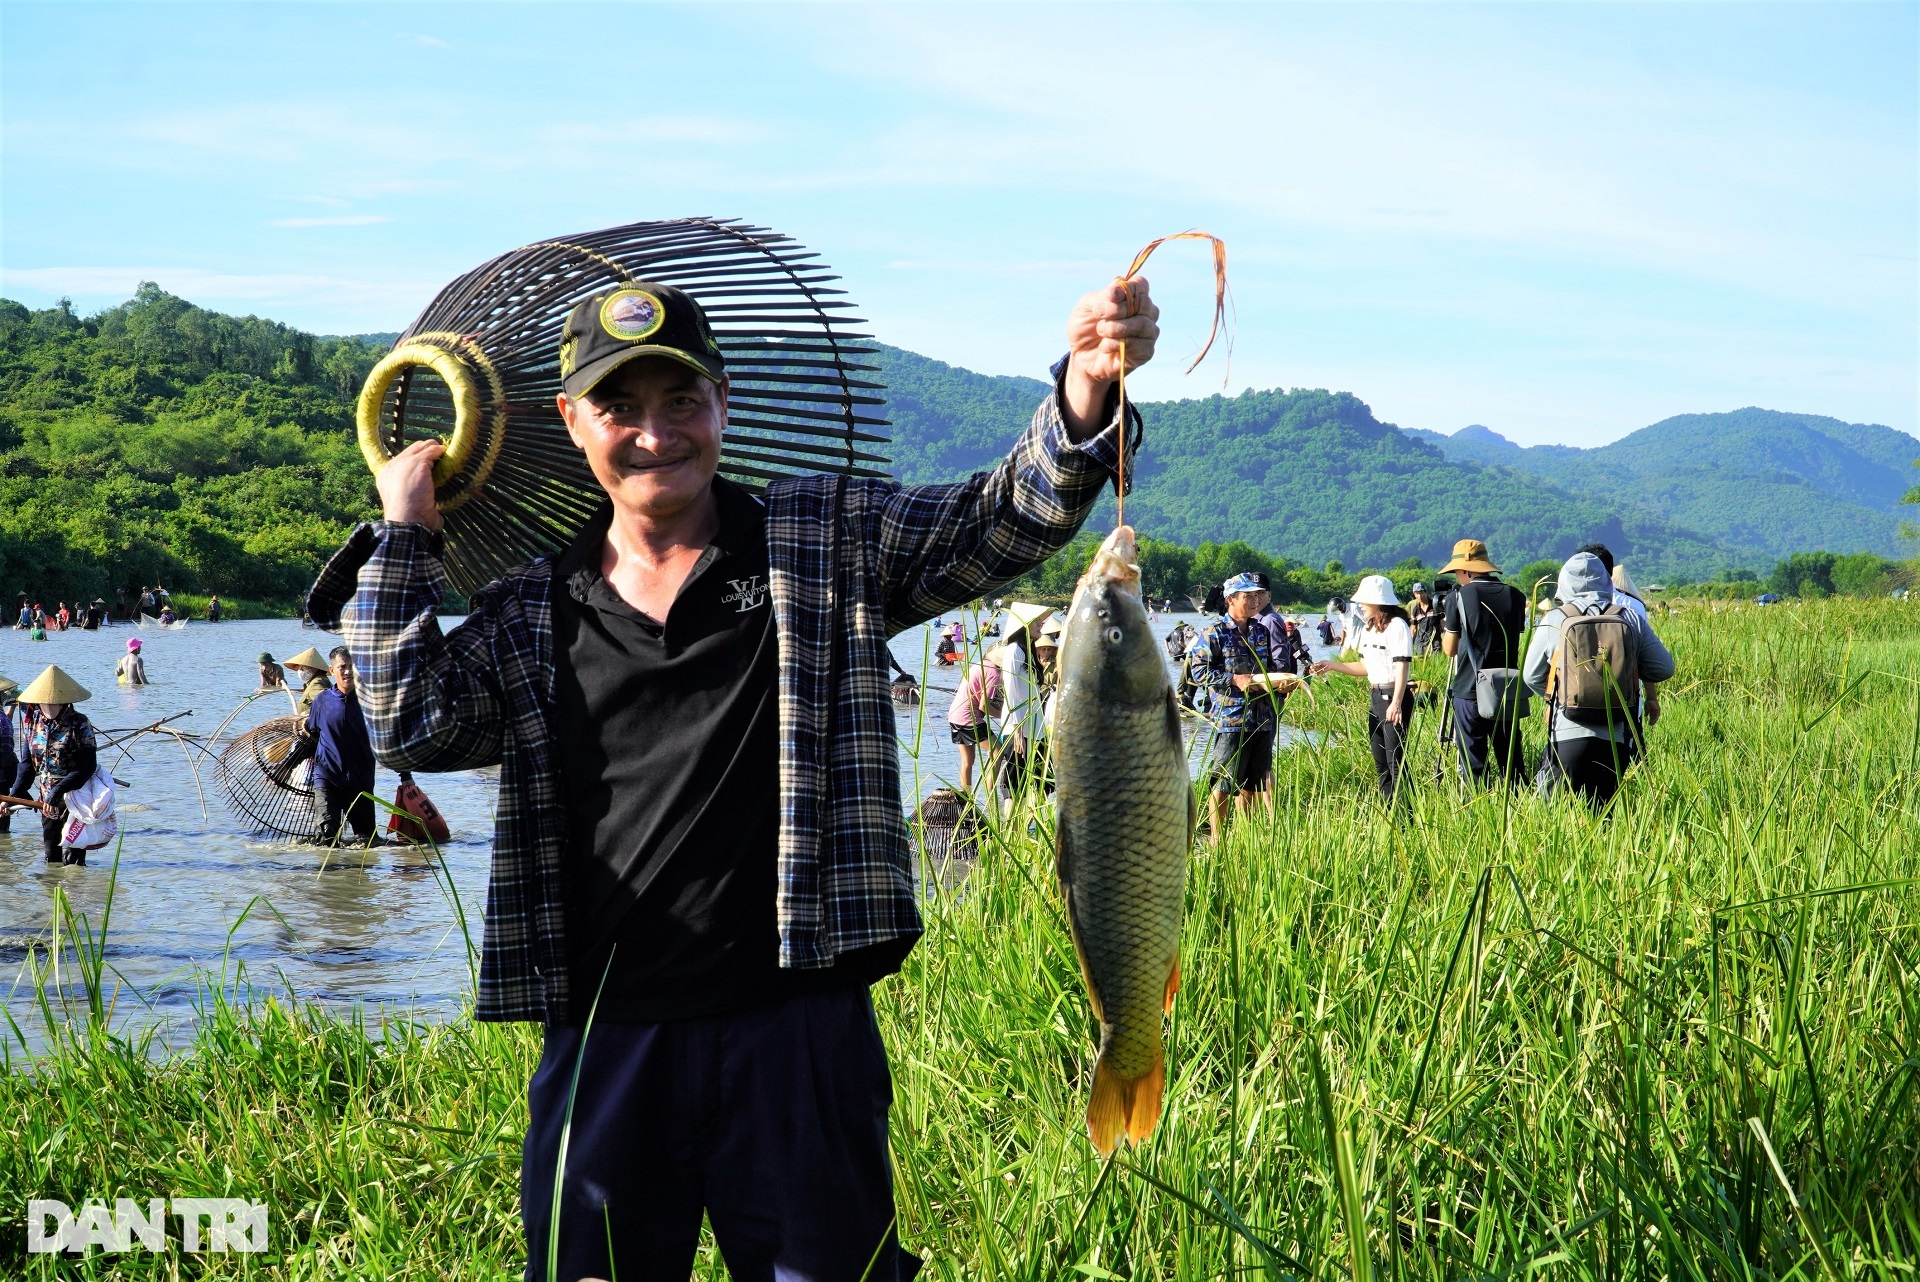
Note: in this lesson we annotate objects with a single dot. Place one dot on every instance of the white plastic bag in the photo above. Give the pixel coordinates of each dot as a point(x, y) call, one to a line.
point(90, 819)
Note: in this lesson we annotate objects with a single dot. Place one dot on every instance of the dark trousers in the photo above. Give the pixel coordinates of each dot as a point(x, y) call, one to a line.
point(773, 1121)
point(1483, 739)
point(1591, 767)
point(50, 841)
point(1388, 741)
point(353, 805)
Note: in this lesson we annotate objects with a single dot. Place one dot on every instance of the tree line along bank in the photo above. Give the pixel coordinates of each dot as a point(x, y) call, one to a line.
point(160, 442)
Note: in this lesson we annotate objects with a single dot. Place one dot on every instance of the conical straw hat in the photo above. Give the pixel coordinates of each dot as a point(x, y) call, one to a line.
point(1025, 614)
point(307, 658)
point(7, 686)
point(1623, 582)
point(54, 686)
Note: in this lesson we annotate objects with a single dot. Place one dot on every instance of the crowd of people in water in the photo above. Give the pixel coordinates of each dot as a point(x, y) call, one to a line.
point(150, 605)
point(50, 764)
point(1590, 658)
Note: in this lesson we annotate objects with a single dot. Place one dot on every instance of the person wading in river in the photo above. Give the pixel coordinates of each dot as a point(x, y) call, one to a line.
point(132, 669)
point(309, 667)
point(64, 754)
point(699, 839)
point(335, 739)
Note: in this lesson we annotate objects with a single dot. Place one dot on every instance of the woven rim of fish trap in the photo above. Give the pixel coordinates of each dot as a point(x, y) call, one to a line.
point(289, 809)
point(480, 368)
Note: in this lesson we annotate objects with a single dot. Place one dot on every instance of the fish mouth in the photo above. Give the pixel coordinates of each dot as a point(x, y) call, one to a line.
point(1116, 564)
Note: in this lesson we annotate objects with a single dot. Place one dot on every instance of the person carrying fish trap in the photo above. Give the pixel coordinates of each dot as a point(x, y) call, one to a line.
point(335, 739)
point(699, 845)
point(64, 756)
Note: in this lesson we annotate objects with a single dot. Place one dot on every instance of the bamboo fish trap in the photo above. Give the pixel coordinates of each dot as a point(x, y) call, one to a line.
point(480, 369)
point(288, 809)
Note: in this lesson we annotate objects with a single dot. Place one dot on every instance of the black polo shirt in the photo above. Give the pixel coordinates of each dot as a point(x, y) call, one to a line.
point(668, 738)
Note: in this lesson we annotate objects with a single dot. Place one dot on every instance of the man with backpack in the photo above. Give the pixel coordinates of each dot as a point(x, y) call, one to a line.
point(1480, 631)
point(1588, 659)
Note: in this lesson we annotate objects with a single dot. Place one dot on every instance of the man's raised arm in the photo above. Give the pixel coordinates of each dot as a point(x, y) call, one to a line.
point(945, 545)
point(432, 701)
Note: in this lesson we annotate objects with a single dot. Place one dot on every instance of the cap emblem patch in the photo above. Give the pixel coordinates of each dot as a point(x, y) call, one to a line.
point(632, 314)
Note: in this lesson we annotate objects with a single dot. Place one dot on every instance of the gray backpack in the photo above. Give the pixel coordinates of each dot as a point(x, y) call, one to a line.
point(1595, 676)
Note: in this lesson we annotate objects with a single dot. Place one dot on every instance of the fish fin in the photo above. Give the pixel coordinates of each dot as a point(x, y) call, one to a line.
point(1173, 984)
point(1143, 1105)
point(1108, 1109)
point(1173, 722)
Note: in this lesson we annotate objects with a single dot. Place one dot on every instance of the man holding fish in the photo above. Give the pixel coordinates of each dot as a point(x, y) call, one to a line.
point(701, 861)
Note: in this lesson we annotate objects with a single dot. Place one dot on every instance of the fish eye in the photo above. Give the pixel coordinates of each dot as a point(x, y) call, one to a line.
point(1114, 636)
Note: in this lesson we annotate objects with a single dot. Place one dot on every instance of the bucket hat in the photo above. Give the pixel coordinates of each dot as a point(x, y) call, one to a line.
point(133, 644)
point(54, 686)
point(1375, 589)
point(265, 657)
point(308, 658)
point(1470, 554)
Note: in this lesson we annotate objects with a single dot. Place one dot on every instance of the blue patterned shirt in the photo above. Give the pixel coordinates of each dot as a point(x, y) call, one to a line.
point(1225, 649)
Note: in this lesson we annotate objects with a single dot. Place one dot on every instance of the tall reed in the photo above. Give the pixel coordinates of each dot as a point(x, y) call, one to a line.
point(1497, 1037)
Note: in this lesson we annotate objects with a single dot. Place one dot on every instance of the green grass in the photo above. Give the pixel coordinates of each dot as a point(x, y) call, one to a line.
point(1498, 1039)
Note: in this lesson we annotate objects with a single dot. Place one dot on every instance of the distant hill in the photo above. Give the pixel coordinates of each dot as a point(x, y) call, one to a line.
point(1760, 480)
point(1310, 475)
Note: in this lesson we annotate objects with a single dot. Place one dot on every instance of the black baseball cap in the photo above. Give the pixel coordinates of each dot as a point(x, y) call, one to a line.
point(627, 322)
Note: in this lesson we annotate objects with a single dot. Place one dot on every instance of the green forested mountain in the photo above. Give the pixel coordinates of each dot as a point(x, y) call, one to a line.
point(1752, 478)
point(161, 442)
point(158, 442)
point(1310, 475)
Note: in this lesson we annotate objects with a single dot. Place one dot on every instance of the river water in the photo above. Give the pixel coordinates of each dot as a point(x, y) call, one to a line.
point(200, 896)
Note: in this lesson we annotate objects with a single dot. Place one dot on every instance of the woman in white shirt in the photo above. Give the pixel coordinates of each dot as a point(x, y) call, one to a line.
point(1386, 659)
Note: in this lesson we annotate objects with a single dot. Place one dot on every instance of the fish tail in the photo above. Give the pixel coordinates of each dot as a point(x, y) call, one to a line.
point(1127, 1106)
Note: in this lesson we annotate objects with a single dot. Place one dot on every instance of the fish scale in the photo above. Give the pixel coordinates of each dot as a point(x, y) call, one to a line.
point(1124, 825)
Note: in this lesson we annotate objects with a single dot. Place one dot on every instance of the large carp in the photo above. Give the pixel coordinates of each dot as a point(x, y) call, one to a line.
point(1125, 821)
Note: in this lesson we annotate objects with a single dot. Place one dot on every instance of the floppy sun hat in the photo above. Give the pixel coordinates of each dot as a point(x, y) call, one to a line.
point(133, 644)
point(1470, 554)
point(1375, 589)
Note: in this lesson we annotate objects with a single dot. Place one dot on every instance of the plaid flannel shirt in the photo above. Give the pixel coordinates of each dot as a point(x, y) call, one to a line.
point(853, 561)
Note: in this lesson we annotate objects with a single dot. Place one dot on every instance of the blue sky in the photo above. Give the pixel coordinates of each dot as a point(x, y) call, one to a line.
point(1563, 221)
